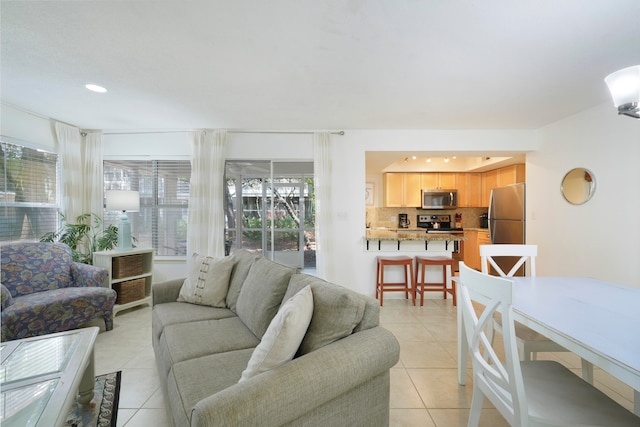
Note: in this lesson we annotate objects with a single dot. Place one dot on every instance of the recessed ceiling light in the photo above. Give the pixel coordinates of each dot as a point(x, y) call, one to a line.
point(95, 88)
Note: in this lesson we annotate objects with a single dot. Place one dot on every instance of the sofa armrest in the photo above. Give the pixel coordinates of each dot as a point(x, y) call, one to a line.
point(85, 275)
point(166, 291)
point(294, 389)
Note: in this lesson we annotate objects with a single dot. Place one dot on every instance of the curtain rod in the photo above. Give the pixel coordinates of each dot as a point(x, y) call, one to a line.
point(229, 131)
point(341, 132)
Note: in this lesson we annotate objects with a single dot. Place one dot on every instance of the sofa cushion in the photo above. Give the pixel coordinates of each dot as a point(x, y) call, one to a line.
point(184, 341)
point(242, 262)
point(173, 313)
point(261, 294)
point(336, 311)
point(283, 336)
point(207, 282)
point(195, 379)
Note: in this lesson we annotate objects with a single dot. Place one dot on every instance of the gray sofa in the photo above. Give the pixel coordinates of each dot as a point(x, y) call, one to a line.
point(339, 377)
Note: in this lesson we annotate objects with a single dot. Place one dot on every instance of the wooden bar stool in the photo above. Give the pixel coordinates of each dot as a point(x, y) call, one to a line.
point(422, 286)
point(406, 286)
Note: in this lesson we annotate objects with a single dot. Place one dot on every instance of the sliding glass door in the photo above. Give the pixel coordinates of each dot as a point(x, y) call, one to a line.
point(269, 209)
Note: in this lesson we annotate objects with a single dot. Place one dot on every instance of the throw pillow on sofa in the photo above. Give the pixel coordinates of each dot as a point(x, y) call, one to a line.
point(207, 282)
point(336, 313)
point(261, 294)
point(283, 336)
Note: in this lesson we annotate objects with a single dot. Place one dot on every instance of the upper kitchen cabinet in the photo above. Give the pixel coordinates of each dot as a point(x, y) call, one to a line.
point(439, 180)
point(508, 175)
point(401, 190)
point(469, 187)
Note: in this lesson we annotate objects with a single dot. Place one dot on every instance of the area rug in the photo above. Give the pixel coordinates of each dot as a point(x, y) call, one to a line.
point(102, 410)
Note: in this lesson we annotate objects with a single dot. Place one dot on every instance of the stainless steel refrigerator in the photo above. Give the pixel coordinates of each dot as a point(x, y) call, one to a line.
point(507, 220)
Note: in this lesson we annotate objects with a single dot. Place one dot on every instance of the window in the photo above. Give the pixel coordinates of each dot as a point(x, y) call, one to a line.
point(164, 201)
point(28, 192)
point(270, 208)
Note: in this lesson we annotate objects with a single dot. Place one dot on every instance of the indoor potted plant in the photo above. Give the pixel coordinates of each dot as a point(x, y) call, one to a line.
point(83, 237)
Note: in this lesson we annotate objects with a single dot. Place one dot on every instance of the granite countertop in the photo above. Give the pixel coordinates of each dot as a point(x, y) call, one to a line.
point(476, 229)
point(407, 234)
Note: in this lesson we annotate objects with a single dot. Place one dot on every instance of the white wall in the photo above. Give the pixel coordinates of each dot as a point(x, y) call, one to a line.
point(600, 238)
point(354, 268)
point(23, 126)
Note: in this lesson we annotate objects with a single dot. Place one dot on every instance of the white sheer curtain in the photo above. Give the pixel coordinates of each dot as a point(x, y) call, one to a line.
point(93, 177)
point(69, 149)
point(205, 230)
point(324, 224)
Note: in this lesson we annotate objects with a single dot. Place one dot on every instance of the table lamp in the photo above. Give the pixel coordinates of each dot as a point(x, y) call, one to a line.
point(123, 200)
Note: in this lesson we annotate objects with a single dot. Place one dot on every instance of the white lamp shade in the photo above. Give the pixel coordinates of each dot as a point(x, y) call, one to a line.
point(123, 200)
point(624, 85)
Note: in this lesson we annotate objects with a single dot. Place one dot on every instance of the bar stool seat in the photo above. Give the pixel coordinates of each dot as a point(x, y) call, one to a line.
point(406, 286)
point(422, 286)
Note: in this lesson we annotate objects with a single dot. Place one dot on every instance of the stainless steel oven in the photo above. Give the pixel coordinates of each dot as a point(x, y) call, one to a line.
point(442, 224)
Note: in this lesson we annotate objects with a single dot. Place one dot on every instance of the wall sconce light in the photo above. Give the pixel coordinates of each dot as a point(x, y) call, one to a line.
point(624, 86)
point(123, 201)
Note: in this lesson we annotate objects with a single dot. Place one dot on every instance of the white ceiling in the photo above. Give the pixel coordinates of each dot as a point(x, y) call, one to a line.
point(314, 64)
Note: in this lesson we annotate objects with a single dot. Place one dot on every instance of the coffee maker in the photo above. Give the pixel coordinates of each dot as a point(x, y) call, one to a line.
point(403, 220)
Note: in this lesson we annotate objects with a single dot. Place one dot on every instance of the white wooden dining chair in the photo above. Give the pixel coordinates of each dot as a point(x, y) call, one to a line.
point(533, 393)
point(529, 342)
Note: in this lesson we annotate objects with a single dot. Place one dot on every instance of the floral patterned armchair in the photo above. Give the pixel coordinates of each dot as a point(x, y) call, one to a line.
point(44, 291)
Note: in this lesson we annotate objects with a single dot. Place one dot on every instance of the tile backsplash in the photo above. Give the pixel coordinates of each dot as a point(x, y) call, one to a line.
point(381, 217)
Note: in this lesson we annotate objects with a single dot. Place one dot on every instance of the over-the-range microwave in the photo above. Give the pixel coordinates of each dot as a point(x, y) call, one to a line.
point(439, 199)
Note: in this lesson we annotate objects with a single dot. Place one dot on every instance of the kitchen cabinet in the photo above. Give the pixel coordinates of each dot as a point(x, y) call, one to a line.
point(501, 177)
point(475, 238)
point(439, 180)
point(401, 190)
point(469, 189)
point(489, 181)
point(513, 174)
point(124, 272)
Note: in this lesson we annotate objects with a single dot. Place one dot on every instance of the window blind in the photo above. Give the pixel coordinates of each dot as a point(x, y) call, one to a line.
point(28, 192)
point(161, 222)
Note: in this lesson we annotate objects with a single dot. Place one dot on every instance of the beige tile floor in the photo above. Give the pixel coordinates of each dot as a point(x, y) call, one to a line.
point(424, 388)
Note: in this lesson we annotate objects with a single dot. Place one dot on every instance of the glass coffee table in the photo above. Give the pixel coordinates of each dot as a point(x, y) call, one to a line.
point(41, 377)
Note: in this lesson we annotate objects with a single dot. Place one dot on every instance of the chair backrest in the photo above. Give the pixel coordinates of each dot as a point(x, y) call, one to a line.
point(525, 252)
point(30, 267)
point(500, 382)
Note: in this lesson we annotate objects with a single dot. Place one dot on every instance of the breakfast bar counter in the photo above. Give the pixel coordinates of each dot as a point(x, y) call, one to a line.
point(409, 235)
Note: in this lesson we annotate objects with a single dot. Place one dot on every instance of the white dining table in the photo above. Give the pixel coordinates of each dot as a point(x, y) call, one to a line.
point(597, 320)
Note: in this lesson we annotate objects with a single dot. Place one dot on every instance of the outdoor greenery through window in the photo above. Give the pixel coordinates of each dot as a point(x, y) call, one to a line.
point(28, 192)
point(161, 223)
point(270, 208)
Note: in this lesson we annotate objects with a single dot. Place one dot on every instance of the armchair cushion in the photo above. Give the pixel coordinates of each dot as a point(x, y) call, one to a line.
point(7, 299)
point(57, 310)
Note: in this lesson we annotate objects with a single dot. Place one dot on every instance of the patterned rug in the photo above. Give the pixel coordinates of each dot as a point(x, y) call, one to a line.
point(102, 410)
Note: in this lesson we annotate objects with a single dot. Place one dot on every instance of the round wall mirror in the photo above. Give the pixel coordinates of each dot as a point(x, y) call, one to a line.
point(578, 186)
